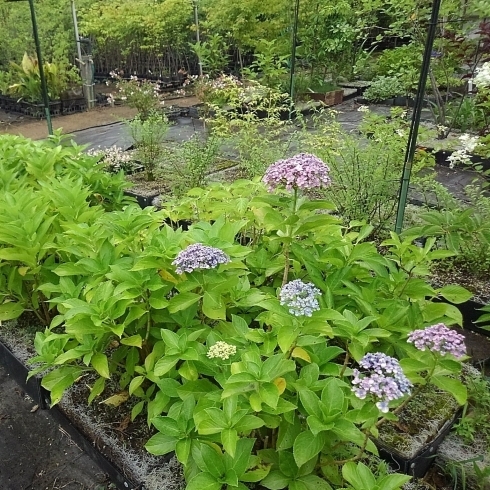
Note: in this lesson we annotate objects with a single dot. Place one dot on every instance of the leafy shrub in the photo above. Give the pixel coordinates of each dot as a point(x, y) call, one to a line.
point(140, 94)
point(148, 134)
point(219, 91)
point(466, 232)
point(402, 62)
point(199, 156)
point(242, 357)
point(383, 88)
point(365, 170)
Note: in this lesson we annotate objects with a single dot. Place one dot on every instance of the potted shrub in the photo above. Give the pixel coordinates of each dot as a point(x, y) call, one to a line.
point(148, 133)
point(384, 89)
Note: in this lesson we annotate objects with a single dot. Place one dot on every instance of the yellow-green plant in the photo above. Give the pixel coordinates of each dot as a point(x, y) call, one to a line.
point(28, 81)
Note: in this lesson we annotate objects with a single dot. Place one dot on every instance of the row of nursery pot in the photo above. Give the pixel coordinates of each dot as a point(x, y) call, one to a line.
point(278, 362)
point(32, 109)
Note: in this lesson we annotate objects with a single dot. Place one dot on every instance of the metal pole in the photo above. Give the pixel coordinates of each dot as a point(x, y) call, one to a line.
point(44, 88)
point(293, 58)
point(77, 37)
point(417, 111)
point(198, 37)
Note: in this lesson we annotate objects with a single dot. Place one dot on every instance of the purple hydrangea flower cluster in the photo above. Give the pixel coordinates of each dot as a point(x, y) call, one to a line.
point(199, 256)
point(439, 338)
point(300, 297)
point(383, 378)
point(303, 171)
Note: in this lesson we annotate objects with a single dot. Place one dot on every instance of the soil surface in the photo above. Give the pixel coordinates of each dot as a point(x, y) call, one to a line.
point(35, 452)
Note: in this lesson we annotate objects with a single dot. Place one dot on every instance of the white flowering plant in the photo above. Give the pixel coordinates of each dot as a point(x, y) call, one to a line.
point(114, 158)
point(140, 94)
point(267, 333)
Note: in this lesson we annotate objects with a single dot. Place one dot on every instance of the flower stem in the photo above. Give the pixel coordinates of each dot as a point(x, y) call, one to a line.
point(289, 235)
point(286, 265)
point(346, 362)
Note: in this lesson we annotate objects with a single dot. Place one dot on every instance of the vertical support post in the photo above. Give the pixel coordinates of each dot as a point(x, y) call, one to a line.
point(198, 35)
point(84, 62)
point(75, 24)
point(293, 57)
point(417, 111)
point(44, 88)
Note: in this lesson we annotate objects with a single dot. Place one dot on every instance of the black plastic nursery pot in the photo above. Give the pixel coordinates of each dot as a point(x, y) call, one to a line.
point(143, 200)
point(399, 101)
point(18, 371)
point(417, 465)
point(70, 106)
point(29, 109)
point(471, 313)
point(442, 158)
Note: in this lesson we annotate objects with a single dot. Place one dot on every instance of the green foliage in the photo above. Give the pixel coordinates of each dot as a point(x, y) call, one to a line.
point(466, 232)
point(474, 421)
point(46, 188)
point(279, 408)
point(365, 170)
point(199, 157)
point(464, 114)
point(402, 63)
point(250, 23)
point(139, 94)
point(327, 32)
point(221, 91)
point(55, 26)
point(268, 67)
point(212, 54)
point(141, 24)
point(27, 80)
point(384, 87)
point(148, 133)
point(360, 477)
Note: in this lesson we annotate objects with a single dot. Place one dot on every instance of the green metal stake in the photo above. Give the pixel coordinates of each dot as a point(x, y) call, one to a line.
point(417, 111)
point(293, 57)
point(44, 87)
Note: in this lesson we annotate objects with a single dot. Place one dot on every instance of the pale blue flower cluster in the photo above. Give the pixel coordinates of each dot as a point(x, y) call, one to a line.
point(439, 338)
point(303, 171)
point(384, 379)
point(300, 297)
point(199, 256)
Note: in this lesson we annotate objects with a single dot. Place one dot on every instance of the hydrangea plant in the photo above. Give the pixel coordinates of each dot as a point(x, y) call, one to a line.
point(274, 352)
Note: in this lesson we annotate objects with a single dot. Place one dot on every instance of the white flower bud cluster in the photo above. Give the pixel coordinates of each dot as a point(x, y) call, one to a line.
point(468, 143)
point(221, 350)
point(482, 77)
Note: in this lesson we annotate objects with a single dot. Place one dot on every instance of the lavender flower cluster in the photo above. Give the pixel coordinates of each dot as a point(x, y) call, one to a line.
point(439, 338)
point(384, 379)
point(303, 171)
point(300, 297)
point(199, 256)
